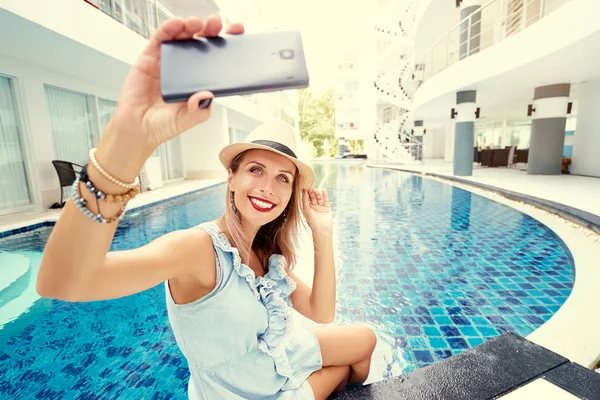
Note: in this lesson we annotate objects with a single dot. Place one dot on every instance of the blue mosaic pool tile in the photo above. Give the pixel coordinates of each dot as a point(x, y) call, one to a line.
point(488, 310)
point(458, 343)
point(452, 302)
point(496, 319)
point(450, 331)
point(460, 320)
point(423, 356)
point(431, 331)
point(486, 330)
point(442, 354)
point(531, 301)
point(417, 342)
point(468, 331)
point(515, 319)
point(407, 355)
point(442, 320)
point(478, 320)
point(413, 330)
point(437, 343)
point(474, 341)
point(540, 310)
point(437, 311)
point(422, 311)
point(524, 330)
point(401, 342)
point(534, 319)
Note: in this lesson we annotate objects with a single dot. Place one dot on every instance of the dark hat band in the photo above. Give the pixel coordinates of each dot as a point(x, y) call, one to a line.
point(276, 146)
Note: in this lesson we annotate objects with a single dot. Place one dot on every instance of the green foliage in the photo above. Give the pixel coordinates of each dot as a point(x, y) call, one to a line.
point(317, 119)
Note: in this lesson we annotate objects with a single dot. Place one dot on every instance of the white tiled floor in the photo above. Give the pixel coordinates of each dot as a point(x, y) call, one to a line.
point(575, 191)
point(173, 189)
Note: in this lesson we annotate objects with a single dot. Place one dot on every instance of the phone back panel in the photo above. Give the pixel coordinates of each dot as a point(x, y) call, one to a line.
point(233, 65)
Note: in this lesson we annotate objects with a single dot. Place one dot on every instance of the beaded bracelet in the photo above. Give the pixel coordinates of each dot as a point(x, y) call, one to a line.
point(109, 198)
point(109, 176)
point(81, 205)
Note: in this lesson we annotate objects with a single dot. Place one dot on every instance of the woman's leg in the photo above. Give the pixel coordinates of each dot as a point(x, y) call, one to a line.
point(347, 345)
point(324, 381)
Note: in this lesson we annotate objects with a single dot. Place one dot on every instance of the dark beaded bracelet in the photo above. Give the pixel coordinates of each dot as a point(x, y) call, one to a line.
point(83, 176)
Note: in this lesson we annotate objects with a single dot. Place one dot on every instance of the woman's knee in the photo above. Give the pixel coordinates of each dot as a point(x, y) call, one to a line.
point(368, 340)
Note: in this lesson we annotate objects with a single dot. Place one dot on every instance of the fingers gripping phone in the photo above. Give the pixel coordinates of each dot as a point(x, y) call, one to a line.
point(232, 65)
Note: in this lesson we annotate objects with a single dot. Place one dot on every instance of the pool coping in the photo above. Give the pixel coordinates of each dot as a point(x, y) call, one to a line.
point(567, 332)
point(50, 220)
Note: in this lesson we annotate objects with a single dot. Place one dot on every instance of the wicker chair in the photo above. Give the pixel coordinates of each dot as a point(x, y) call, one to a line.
point(66, 172)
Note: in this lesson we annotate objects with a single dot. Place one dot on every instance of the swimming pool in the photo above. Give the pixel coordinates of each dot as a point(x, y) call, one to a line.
point(432, 268)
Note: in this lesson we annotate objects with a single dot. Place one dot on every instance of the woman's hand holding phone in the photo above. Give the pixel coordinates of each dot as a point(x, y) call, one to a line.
point(142, 120)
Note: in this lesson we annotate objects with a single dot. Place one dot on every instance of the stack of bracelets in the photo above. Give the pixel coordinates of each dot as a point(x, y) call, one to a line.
point(134, 190)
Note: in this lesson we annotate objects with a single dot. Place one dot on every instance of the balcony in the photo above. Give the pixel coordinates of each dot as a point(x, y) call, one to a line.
point(486, 27)
point(141, 16)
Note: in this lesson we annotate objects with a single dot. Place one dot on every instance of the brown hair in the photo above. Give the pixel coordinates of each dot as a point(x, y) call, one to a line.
point(279, 236)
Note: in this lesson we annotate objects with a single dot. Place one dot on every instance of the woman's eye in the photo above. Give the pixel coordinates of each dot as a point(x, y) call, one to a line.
point(255, 169)
point(283, 178)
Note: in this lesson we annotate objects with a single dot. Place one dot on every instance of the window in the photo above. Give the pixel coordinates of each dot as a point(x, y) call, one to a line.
point(74, 129)
point(14, 187)
point(106, 109)
point(237, 135)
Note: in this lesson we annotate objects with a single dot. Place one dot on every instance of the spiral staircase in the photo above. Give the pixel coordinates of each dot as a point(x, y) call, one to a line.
point(395, 85)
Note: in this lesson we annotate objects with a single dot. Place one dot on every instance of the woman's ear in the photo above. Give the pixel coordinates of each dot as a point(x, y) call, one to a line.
point(230, 183)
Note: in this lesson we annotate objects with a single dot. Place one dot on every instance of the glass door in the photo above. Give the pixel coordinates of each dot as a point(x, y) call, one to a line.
point(171, 159)
point(14, 186)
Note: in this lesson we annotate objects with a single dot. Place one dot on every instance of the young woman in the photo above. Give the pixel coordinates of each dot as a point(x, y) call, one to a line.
point(229, 283)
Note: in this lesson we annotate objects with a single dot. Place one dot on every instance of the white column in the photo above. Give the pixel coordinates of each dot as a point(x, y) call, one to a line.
point(586, 147)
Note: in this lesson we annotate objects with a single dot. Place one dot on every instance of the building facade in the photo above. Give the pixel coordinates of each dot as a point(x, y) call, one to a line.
point(60, 78)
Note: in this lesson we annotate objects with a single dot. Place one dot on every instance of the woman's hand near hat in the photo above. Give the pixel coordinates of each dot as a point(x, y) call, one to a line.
point(142, 120)
point(317, 211)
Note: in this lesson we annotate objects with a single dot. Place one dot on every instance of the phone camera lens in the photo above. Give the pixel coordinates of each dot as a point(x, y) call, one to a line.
point(286, 54)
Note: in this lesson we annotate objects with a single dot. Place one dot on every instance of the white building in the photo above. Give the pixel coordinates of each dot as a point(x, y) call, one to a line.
point(62, 64)
point(355, 71)
point(529, 66)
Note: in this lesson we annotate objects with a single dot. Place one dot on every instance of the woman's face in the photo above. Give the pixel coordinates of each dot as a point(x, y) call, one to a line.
point(263, 186)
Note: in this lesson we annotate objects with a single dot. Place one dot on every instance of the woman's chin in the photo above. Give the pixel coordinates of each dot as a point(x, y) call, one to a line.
point(256, 218)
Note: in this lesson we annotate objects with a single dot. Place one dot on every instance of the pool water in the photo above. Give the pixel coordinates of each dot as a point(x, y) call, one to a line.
point(433, 269)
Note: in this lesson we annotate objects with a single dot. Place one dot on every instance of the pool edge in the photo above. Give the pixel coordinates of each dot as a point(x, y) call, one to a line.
point(41, 222)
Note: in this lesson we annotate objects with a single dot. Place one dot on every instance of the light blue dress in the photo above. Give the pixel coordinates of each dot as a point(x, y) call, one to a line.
point(238, 340)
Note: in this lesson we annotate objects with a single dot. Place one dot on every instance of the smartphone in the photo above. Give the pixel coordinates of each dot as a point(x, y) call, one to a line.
point(232, 65)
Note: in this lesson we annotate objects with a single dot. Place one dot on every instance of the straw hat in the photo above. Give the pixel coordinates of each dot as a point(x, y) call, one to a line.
point(278, 137)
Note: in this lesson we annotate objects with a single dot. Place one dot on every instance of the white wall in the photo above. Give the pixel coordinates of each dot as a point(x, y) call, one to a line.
point(80, 21)
point(450, 130)
point(438, 18)
point(434, 142)
point(30, 80)
point(201, 146)
point(586, 149)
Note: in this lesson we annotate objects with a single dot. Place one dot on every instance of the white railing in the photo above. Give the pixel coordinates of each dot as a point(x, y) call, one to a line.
point(484, 28)
point(396, 144)
point(142, 16)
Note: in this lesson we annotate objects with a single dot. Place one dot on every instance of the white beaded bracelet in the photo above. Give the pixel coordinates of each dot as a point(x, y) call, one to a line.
point(109, 176)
